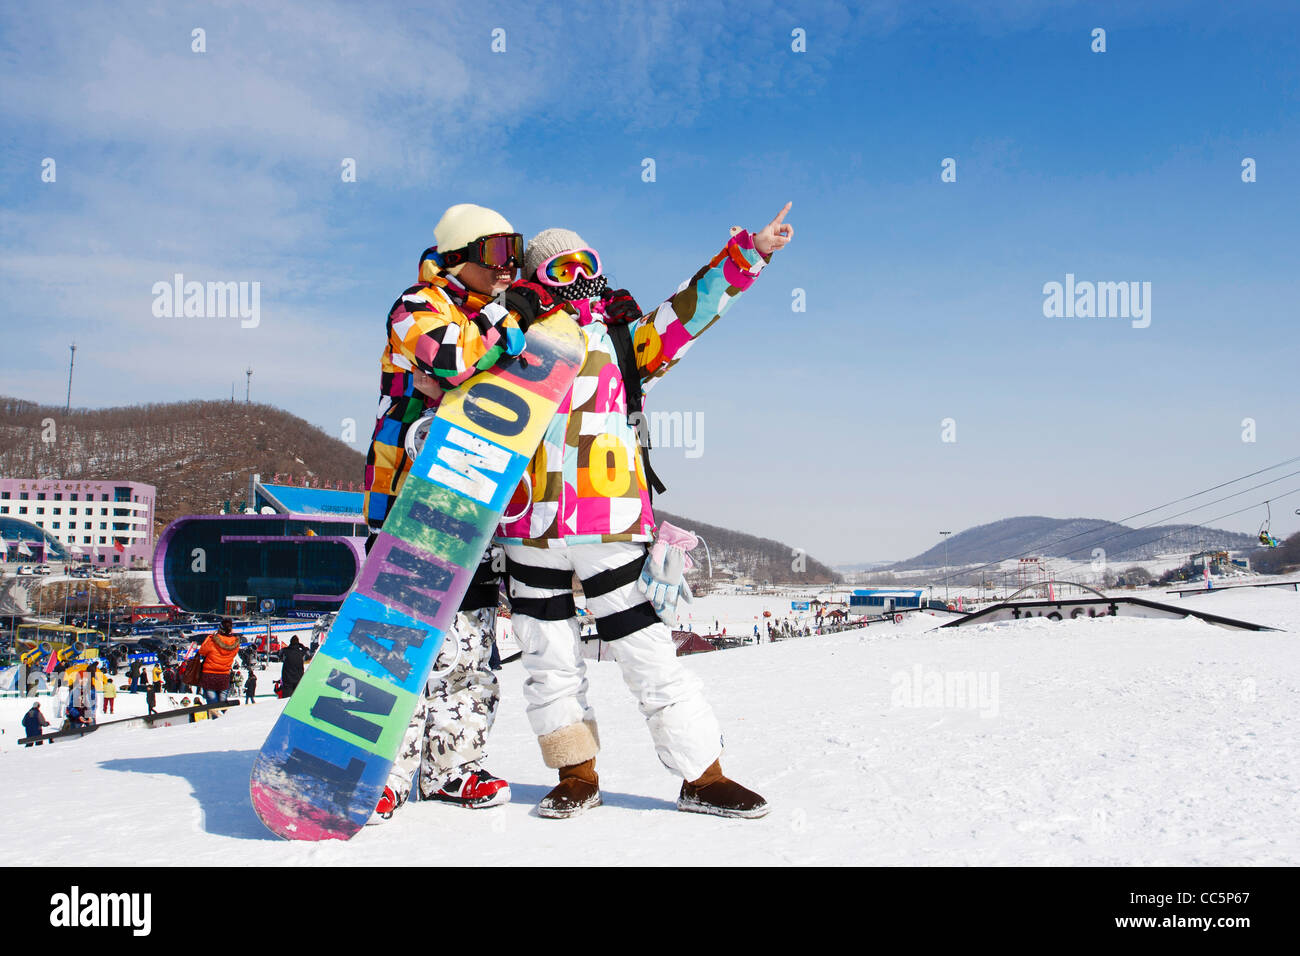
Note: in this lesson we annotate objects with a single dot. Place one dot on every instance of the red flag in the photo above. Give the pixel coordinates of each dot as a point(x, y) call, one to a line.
point(117, 546)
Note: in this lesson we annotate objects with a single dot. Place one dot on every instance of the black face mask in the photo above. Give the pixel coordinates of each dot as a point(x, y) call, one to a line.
point(580, 289)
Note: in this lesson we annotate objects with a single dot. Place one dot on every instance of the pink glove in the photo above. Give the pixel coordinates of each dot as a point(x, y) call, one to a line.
point(662, 580)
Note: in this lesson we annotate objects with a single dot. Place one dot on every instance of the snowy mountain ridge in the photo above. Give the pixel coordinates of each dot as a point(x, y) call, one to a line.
point(1077, 538)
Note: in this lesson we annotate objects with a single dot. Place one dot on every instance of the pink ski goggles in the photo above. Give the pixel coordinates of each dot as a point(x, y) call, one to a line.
point(566, 268)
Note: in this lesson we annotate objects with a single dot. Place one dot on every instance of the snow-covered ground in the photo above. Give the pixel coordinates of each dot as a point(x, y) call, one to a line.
point(1095, 741)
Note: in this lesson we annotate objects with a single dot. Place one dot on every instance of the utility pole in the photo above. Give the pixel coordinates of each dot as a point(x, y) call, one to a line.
point(248, 383)
point(944, 535)
point(71, 361)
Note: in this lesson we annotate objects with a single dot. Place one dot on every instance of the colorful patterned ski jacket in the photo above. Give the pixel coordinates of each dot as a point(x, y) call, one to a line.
point(587, 477)
point(436, 326)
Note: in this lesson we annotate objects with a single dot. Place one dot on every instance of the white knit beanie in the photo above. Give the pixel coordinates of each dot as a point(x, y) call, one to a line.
point(463, 223)
point(547, 243)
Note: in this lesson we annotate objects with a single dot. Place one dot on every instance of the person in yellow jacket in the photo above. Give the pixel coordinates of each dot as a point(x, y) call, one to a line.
point(110, 694)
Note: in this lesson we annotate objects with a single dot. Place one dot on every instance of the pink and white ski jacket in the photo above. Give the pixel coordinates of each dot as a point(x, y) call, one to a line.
point(587, 477)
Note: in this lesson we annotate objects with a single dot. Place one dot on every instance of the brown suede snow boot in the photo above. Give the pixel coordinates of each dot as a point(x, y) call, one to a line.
point(714, 793)
point(578, 790)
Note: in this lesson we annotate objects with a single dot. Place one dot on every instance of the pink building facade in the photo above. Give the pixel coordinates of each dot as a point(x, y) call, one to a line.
point(90, 518)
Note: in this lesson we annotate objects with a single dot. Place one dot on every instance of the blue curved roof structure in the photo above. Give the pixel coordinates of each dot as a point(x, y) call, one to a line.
point(14, 530)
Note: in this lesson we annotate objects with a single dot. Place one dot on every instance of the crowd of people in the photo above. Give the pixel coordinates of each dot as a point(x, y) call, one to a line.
point(771, 629)
point(82, 694)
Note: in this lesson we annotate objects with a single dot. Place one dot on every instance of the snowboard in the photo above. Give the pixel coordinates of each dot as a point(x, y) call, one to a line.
point(325, 763)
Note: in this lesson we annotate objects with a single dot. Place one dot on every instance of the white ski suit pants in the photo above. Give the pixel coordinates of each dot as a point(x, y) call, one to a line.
point(682, 725)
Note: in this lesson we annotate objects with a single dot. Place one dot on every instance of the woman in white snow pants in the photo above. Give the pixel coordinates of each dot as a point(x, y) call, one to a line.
point(589, 513)
point(685, 732)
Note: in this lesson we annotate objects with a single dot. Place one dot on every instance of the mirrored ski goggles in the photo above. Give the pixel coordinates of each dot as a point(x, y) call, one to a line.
point(495, 251)
point(565, 268)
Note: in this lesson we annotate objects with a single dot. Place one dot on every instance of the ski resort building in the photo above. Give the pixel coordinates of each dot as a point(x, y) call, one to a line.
point(880, 600)
point(298, 548)
point(104, 523)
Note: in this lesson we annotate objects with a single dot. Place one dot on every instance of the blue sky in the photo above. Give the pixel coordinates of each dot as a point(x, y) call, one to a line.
point(924, 298)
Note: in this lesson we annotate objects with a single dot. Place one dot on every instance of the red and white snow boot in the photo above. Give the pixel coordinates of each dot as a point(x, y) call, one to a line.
point(388, 804)
point(477, 790)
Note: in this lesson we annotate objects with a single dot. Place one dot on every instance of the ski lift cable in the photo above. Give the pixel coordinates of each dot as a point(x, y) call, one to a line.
point(1189, 511)
point(1167, 504)
point(1237, 512)
point(1235, 494)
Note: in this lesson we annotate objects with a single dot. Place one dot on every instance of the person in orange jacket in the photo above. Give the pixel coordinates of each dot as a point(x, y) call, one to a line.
point(218, 653)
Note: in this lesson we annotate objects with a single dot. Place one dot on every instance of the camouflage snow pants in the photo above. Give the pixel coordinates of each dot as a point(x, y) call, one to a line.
point(447, 736)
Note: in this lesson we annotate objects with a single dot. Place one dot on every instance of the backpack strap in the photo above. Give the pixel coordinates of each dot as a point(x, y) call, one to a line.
point(626, 353)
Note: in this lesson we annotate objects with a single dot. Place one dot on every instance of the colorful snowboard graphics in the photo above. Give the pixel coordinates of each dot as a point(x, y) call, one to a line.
point(323, 767)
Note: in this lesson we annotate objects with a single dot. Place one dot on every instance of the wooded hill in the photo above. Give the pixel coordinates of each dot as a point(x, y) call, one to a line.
point(198, 454)
point(737, 555)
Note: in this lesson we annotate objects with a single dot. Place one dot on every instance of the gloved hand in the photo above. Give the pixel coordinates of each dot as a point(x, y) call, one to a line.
point(621, 308)
point(529, 301)
point(662, 578)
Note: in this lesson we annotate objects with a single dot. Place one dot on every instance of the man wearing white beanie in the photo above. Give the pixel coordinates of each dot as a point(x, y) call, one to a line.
point(591, 516)
point(442, 331)
point(460, 225)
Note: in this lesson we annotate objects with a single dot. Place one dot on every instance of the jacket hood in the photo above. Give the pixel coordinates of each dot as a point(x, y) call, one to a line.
point(431, 268)
point(231, 643)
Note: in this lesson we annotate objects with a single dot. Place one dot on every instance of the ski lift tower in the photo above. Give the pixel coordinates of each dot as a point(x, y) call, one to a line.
point(944, 535)
point(72, 360)
point(1029, 571)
